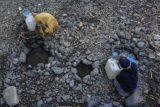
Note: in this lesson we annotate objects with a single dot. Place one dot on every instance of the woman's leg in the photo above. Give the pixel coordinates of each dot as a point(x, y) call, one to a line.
point(116, 83)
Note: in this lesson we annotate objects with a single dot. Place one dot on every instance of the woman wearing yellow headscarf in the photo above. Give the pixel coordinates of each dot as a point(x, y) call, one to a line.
point(48, 23)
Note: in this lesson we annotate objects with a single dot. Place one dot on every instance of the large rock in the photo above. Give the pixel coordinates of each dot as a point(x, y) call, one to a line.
point(114, 36)
point(86, 78)
point(94, 72)
point(121, 34)
point(22, 57)
point(39, 103)
point(11, 96)
point(86, 62)
point(140, 45)
point(30, 74)
point(95, 64)
point(151, 57)
point(66, 97)
point(57, 70)
point(93, 101)
point(136, 51)
point(134, 99)
point(76, 77)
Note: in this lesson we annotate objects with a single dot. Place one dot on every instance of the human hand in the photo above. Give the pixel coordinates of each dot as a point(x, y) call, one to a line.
point(123, 56)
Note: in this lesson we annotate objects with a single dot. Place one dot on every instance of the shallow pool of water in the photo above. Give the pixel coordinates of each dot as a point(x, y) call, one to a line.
point(37, 56)
point(83, 69)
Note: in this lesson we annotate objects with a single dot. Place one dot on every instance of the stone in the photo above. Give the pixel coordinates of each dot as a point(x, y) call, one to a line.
point(86, 62)
point(71, 83)
point(111, 40)
point(2, 10)
point(39, 103)
point(30, 74)
point(66, 44)
point(94, 72)
point(34, 46)
point(140, 45)
point(84, 30)
point(128, 36)
point(33, 91)
point(59, 99)
point(10, 96)
point(50, 59)
point(57, 70)
point(146, 62)
point(46, 74)
point(151, 57)
point(13, 55)
point(62, 49)
point(121, 34)
point(2, 101)
point(22, 57)
point(134, 99)
point(15, 61)
point(88, 52)
point(107, 105)
point(40, 42)
point(66, 97)
point(26, 50)
point(114, 36)
point(94, 58)
point(53, 63)
point(116, 103)
point(127, 46)
point(7, 80)
point(49, 100)
point(56, 79)
point(86, 1)
point(74, 70)
point(146, 91)
point(76, 77)
point(117, 43)
point(136, 51)
point(78, 90)
point(158, 101)
point(86, 78)
point(137, 31)
point(93, 101)
point(73, 58)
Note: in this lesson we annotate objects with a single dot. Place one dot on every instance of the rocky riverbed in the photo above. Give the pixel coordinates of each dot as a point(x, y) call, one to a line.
point(45, 71)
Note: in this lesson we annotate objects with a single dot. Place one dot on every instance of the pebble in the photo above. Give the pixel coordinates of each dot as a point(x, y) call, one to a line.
point(39, 103)
point(66, 44)
point(116, 103)
point(140, 45)
point(33, 91)
point(151, 57)
point(49, 100)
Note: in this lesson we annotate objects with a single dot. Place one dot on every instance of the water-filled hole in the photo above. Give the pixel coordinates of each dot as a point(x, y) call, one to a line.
point(37, 56)
point(83, 69)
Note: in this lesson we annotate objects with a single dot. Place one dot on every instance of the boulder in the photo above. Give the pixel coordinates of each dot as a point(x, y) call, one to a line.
point(57, 70)
point(93, 101)
point(10, 96)
point(134, 99)
point(94, 72)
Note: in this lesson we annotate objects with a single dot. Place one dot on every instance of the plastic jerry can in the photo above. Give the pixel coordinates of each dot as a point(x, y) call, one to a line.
point(31, 24)
point(112, 68)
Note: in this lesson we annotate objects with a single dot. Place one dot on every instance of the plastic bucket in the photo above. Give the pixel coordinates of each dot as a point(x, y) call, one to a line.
point(26, 12)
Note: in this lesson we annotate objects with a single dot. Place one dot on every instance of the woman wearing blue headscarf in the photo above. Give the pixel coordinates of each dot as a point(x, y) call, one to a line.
point(127, 80)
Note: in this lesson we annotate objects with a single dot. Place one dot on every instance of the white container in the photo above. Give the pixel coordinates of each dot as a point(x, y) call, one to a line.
point(112, 68)
point(31, 24)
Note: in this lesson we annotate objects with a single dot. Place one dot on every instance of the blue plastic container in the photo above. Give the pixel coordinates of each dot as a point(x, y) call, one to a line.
point(26, 12)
